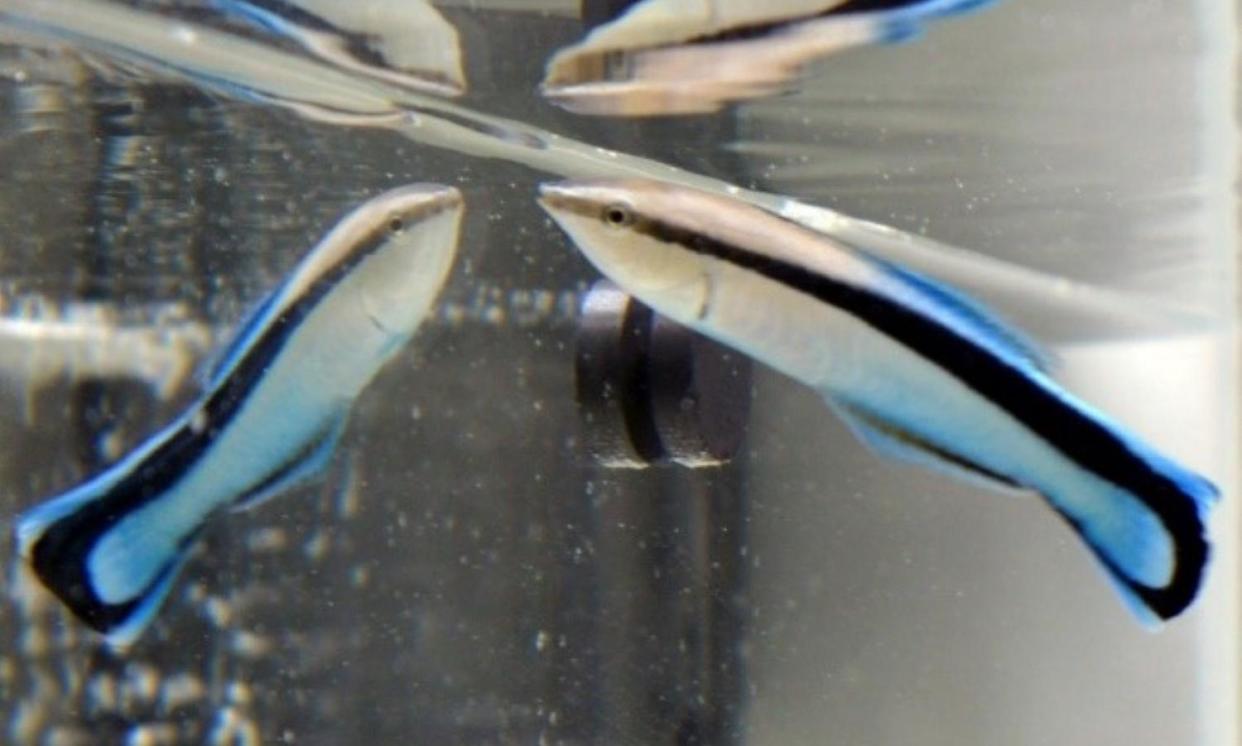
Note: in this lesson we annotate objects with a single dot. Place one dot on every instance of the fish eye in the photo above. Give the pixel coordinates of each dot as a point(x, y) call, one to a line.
point(617, 216)
point(395, 224)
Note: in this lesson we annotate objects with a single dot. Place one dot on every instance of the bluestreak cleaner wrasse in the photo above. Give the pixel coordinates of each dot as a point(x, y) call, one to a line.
point(274, 406)
point(917, 370)
point(664, 57)
point(406, 43)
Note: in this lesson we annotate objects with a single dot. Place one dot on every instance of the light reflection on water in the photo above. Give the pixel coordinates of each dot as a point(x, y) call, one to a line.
point(462, 575)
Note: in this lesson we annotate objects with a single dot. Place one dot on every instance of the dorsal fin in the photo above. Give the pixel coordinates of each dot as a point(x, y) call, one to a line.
point(972, 316)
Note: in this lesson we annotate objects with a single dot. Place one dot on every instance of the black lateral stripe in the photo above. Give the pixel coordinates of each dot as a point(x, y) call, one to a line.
point(872, 6)
point(764, 27)
point(1080, 438)
point(59, 555)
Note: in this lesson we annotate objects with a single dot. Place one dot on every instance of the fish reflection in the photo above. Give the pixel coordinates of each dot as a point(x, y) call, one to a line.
point(275, 405)
point(407, 43)
point(919, 372)
point(671, 57)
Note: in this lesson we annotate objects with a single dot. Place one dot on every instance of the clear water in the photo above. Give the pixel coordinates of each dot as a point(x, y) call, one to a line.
point(465, 573)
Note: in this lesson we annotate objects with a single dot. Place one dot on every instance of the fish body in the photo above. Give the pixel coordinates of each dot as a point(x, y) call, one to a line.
point(406, 43)
point(274, 406)
point(665, 57)
point(918, 371)
point(656, 23)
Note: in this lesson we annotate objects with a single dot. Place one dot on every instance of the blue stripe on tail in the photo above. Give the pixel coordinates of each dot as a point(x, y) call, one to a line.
point(906, 22)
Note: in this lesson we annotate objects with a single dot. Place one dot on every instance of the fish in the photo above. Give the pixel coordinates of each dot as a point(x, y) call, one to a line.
point(406, 43)
point(669, 57)
point(273, 408)
point(919, 371)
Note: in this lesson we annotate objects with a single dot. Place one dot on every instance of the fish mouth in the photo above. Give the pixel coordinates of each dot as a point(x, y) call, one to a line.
point(437, 199)
point(446, 196)
point(560, 197)
point(553, 192)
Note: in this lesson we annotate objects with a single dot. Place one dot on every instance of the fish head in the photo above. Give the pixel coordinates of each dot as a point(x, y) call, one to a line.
point(407, 205)
point(404, 244)
point(416, 218)
point(629, 231)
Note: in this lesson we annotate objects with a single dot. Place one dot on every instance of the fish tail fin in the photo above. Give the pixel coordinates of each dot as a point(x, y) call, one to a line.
point(36, 521)
point(1150, 535)
point(905, 23)
point(929, 9)
point(130, 626)
point(112, 574)
point(252, 14)
point(1153, 544)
